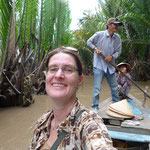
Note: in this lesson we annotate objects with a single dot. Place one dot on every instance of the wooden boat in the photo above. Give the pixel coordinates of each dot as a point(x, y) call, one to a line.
point(128, 134)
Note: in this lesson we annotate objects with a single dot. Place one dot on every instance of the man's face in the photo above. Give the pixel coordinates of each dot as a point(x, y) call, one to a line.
point(113, 27)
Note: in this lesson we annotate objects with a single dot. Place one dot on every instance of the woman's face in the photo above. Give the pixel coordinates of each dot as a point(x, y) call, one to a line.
point(123, 69)
point(62, 79)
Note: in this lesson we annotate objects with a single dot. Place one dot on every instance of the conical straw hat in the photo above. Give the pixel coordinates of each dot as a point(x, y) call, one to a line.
point(126, 64)
point(117, 115)
point(122, 107)
point(118, 112)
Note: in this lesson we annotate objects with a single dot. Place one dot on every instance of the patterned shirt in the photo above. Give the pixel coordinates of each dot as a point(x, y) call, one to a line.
point(124, 84)
point(87, 133)
point(108, 46)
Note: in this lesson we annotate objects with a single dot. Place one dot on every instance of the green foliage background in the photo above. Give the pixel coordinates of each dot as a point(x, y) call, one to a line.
point(135, 33)
point(45, 25)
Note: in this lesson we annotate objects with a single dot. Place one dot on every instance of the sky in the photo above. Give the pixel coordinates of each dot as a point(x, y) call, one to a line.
point(77, 8)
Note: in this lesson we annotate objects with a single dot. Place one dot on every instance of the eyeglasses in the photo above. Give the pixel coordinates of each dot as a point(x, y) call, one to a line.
point(65, 69)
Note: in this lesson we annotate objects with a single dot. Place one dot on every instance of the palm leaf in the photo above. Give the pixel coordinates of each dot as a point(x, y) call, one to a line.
point(5, 11)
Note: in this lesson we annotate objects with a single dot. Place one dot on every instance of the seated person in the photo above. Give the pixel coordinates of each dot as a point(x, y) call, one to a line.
point(124, 83)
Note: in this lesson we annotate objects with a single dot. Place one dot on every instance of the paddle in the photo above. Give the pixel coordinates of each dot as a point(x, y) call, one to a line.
point(118, 69)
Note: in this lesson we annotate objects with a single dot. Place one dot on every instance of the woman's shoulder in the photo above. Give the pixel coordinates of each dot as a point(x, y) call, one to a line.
point(94, 131)
point(89, 116)
point(128, 74)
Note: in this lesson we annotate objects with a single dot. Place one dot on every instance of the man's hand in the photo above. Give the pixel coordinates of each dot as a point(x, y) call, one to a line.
point(98, 51)
point(108, 58)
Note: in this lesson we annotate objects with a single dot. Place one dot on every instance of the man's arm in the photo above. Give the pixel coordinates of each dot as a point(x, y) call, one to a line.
point(92, 41)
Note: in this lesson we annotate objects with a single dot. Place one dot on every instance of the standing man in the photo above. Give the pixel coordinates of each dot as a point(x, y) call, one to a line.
point(109, 44)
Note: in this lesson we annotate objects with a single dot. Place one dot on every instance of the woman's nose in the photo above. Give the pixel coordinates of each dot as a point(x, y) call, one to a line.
point(59, 73)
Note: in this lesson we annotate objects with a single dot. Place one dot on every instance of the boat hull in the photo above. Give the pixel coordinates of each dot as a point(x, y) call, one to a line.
point(130, 132)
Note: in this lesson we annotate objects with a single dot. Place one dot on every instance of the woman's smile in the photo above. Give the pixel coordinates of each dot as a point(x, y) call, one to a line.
point(58, 85)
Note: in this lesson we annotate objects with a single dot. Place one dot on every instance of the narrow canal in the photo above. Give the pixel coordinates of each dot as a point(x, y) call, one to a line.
point(17, 123)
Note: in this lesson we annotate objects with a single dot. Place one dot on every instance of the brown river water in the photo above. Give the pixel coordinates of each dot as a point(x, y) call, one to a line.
point(17, 123)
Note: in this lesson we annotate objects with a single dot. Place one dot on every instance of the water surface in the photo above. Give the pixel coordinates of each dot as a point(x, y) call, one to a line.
point(17, 123)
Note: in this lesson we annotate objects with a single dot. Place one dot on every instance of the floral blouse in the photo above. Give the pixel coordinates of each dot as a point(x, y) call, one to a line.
point(87, 133)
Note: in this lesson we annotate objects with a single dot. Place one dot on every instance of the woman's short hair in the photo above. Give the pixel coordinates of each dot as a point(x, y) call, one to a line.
point(70, 51)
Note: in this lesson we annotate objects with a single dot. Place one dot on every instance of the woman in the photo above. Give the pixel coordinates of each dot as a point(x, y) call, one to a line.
point(84, 129)
point(124, 84)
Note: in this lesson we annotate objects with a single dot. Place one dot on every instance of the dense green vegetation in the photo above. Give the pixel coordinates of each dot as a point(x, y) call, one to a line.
point(135, 33)
point(29, 29)
point(44, 25)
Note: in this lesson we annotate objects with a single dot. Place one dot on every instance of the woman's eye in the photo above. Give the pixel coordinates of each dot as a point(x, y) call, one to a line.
point(53, 69)
point(68, 70)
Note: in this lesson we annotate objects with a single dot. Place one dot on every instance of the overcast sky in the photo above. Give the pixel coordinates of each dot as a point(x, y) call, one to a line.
point(77, 8)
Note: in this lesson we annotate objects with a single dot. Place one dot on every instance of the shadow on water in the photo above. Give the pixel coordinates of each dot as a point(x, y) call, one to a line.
point(17, 123)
